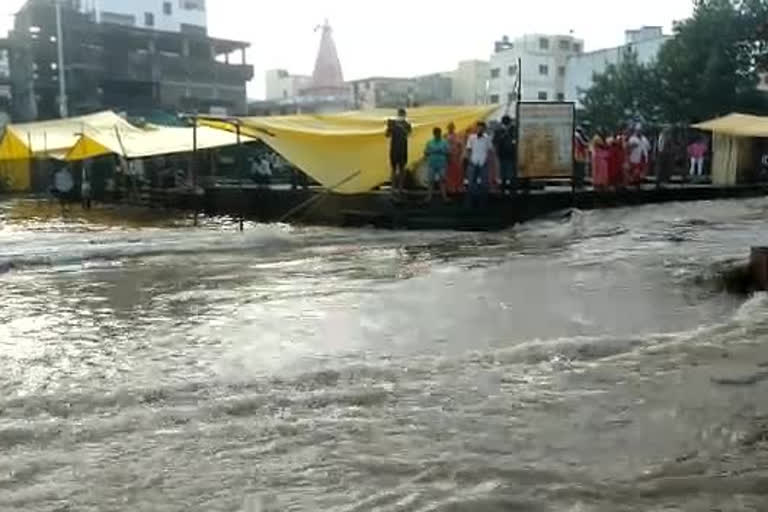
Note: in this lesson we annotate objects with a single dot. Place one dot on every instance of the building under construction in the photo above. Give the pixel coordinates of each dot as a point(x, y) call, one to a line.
point(111, 62)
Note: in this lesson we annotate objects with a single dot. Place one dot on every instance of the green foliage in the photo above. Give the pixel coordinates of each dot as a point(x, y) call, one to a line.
point(709, 68)
point(625, 91)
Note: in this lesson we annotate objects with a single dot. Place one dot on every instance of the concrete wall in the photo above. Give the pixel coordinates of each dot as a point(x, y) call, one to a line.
point(384, 92)
point(135, 13)
point(435, 89)
point(581, 68)
point(281, 85)
point(470, 83)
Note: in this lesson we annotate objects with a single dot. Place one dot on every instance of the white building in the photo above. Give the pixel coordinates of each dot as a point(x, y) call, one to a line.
point(645, 43)
point(164, 15)
point(544, 60)
point(383, 92)
point(470, 83)
point(281, 85)
point(5, 66)
point(5, 88)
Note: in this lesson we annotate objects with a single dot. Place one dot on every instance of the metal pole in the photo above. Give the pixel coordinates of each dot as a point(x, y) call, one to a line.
point(519, 79)
point(193, 164)
point(63, 107)
point(240, 174)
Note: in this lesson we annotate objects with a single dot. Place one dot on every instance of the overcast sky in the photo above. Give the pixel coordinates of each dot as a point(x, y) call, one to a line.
point(410, 37)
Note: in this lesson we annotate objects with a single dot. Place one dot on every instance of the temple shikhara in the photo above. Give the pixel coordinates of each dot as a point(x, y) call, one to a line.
point(328, 77)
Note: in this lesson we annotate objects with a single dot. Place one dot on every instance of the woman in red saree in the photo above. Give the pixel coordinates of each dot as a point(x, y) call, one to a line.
point(454, 177)
point(601, 156)
point(617, 161)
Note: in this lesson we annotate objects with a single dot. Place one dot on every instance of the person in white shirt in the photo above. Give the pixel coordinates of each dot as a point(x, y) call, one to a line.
point(638, 157)
point(479, 154)
point(63, 187)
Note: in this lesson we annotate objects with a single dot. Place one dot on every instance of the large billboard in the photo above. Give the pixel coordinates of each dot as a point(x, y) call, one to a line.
point(545, 139)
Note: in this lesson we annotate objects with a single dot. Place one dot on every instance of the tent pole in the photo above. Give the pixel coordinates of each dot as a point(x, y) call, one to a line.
point(240, 175)
point(125, 158)
point(32, 166)
point(193, 164)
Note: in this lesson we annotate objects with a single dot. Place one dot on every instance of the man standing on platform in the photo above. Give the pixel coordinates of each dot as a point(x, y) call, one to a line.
point(580, 157)
point(506, 149)
point(479, 153)
point(398, 131)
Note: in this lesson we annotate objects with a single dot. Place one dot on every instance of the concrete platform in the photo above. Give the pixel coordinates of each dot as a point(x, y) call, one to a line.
point(381, 209)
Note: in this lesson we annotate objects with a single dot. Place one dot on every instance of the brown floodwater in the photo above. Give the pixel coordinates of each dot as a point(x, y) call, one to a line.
point(589, 362)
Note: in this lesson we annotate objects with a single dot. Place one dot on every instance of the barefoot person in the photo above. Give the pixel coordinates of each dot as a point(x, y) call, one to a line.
point(398, 131)
point(437, 152)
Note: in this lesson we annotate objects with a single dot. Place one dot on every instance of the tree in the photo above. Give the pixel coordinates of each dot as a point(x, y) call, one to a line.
point(710, 67)
point(624, 92)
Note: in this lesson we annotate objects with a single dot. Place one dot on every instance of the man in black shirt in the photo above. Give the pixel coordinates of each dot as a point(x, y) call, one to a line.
point(504, 141)
point(398, 131)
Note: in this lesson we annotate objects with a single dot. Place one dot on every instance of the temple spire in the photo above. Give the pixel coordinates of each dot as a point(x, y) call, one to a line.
point(328, 73)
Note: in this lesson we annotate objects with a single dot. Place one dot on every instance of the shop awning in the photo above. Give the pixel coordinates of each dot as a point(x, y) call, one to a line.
point(332, 148)
point(132, 142)
point(53, 139)
point(738, 125)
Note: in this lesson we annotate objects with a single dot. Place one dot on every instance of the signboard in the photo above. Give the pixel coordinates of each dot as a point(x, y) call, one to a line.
point(545, 139)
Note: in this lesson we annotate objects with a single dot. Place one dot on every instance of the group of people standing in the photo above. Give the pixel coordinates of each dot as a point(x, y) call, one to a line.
point(620, 160)
point(458, 162)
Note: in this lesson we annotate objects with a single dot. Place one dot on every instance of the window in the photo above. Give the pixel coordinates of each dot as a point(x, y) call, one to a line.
point(543, 69)
point(560, 96)
point(194, 5)
point(511, 97)
point(495, 73)
point(543, 96)
point(561, 71)
point(167, 8)
point(494, 98)
point(577, 47)
point(512, 70)
point(544, 43)
point(565, 44)
point(118, 19)
point(149, 19)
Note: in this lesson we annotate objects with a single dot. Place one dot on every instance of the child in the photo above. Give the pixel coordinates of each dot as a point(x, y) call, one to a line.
point(437, 153)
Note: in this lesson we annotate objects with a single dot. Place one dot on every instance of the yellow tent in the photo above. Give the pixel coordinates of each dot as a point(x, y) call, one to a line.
point(332, 148)
point(733, 147)
point(53, 139)
point(738, 125)
point(132, 142)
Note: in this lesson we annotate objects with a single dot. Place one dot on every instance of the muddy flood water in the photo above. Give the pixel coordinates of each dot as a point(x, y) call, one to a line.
point(588, 362)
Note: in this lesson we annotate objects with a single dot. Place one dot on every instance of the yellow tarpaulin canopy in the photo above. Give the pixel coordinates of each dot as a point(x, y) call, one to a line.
point(53, 139)
point(332, 148)
point(737, 125)
point(132, 142)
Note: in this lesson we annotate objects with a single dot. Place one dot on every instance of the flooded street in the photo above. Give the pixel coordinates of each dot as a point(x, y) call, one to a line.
point(584, 363)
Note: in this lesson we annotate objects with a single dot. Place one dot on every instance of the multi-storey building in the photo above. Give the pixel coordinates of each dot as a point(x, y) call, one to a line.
point(116, 59)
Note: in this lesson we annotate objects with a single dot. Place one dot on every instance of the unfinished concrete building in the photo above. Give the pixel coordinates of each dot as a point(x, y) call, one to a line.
point(112, 64)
